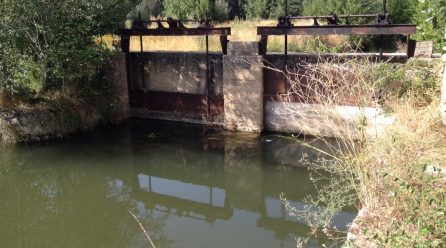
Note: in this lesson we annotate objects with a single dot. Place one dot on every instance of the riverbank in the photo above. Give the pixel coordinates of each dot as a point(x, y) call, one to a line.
point(62, 113)
point(54, 119)
point(400, 184)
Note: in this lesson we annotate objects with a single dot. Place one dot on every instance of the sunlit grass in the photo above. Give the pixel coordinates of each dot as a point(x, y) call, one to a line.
point(404, 205)
point(245, 31)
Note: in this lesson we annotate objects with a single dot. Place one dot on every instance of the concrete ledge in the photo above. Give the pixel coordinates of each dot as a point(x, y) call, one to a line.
point(178, 117)
point(327, 121)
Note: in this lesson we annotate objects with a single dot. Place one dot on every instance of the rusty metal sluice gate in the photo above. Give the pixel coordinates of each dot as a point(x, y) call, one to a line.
point(276, 84)
point(205, 104)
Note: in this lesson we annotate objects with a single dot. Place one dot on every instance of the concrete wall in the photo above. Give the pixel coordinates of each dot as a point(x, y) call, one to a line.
point(117, 74)
point(327, 121)
point(178, 72)
point(240, 77)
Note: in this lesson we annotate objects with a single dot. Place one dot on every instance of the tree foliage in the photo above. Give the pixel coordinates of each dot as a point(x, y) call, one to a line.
point(212, 9)
point(257, 9)
point(324, 7)
point(148, 8)
point(269, 9)
point(431, 21)
point(46, 43)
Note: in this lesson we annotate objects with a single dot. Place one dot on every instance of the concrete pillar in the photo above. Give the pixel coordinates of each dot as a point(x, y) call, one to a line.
point(243, 87)
point(424, 49)
point(117, 75)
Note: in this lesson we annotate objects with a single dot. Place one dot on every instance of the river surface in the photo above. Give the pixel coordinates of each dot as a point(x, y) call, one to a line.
point(188, 187)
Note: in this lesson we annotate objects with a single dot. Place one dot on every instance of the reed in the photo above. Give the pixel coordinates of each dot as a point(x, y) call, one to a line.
point(386, 175)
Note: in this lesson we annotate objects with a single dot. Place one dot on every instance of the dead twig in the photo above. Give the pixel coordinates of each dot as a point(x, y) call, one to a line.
point(143, 229)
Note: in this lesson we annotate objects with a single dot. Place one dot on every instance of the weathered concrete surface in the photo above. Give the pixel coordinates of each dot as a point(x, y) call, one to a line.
point(243, 88)
point(424, 49)
point(24, 125)
point(178, 72)
point(116, 74)
point(327, 121)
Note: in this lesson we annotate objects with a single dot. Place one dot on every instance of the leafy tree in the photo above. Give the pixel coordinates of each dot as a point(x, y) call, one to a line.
point(324, 7)
point(217, 10)
point(431, 21)
point(203, 9)
point(236, 9)
point(221, 10)
point(47, 43)
point(180, 9)
point(402, 11)
point(295, 8)
point(257, 9)
point(148, 8)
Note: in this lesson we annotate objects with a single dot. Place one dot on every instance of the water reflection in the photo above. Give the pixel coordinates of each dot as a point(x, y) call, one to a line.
point(188, 187)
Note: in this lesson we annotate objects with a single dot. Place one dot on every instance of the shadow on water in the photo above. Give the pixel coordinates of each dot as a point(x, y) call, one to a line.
point(189, 187)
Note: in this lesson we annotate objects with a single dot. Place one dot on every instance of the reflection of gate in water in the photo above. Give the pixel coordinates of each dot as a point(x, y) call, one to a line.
point(219, 188)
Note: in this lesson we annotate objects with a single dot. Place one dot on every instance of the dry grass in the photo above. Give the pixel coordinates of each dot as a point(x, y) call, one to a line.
point(241, 31)
point(405, 206)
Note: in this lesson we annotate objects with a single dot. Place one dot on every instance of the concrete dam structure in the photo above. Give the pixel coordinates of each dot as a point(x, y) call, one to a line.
point(242, 93)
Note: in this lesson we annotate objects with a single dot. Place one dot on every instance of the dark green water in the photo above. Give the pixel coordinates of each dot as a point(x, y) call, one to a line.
point(188, 187)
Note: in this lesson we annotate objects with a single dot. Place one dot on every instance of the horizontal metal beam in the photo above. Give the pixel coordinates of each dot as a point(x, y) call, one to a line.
point(340, 30)
point(176, 32)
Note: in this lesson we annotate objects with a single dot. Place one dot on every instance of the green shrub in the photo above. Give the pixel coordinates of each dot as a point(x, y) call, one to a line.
point(324, 7)
point(431, 22)
point(257, 9)
point(44, 45)
point(220, 11)
point(417, 80)
point(147, 8)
